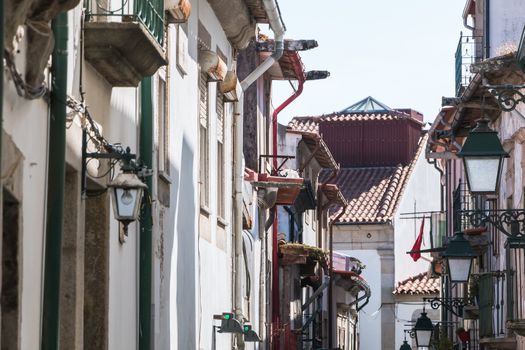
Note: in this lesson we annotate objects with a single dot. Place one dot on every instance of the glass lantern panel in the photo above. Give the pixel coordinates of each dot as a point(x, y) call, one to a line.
point(126, 200)
point(423, 338)
point(459, 269)
point(482, 173)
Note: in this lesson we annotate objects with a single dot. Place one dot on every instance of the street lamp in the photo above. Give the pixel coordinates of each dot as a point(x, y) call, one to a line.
point(423, 330)
point(126, 193)
point(458, 256)
point(405, 346)
point(483, 155)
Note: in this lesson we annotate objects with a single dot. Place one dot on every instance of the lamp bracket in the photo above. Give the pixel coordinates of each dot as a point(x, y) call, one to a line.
point(411, 332)
point(510, 222)
point(507, 95)
point(454, 305)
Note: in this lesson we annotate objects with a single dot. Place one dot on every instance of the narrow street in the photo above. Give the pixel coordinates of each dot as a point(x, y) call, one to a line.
point(262, 175)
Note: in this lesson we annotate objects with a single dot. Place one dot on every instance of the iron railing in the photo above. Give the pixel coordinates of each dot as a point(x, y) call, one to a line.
point(462, 201)
point(469, 51)
point(148, 12)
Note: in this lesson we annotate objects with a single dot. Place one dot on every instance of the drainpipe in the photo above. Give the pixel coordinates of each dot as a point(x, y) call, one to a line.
point(277, 26)
point(276, 305)
point(146, 221)
point(239, 176)
point(487, 29)
point(331, 285)
point(56, 182)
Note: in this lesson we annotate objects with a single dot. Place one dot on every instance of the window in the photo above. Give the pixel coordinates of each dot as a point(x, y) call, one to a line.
point(220, 155)
point(203, 135)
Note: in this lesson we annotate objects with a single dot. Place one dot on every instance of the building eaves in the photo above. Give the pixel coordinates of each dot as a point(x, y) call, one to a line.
point(334, 195)
point(287, 67)
point(311, 123)
point(460, 114)
point(316, 144)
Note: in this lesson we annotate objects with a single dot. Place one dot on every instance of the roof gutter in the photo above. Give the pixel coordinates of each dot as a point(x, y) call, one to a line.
point(278, 28)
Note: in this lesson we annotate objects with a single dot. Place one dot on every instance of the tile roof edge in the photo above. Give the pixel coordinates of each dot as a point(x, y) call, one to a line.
point(411, 166)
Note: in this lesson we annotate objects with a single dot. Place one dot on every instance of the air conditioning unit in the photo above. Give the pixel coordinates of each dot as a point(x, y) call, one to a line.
point(178, 10)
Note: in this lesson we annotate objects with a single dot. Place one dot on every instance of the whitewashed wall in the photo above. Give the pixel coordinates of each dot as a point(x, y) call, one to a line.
point(506, 24)
point(421, 194)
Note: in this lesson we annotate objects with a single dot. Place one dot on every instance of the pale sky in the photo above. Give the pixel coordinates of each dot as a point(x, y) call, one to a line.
point(400, 52)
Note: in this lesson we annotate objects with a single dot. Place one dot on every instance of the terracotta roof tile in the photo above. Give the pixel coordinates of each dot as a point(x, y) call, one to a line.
point(311, 123)
point(419, 284)
point(372, 193)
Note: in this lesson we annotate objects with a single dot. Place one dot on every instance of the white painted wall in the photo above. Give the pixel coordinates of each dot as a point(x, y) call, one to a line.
point(506, 25)
point(370, 315)
point(199, 271)
point(421, 194)
point(27, 124)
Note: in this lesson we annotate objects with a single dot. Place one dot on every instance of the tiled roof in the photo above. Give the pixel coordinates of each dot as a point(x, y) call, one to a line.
point(419, 284)
point(311, 123)
point(372, 193)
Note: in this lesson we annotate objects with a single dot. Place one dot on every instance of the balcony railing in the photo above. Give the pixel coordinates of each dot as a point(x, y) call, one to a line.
point(462, 200)
point(148, 12)
point(469, 51)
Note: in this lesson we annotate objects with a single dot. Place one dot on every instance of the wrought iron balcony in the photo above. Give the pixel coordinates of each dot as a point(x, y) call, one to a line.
point(469, 51)
point(123, 39)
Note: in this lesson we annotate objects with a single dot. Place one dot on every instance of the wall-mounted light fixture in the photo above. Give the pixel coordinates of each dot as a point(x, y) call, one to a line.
point(127, 189)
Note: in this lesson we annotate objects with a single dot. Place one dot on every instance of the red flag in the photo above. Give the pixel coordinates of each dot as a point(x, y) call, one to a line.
point(417, 244)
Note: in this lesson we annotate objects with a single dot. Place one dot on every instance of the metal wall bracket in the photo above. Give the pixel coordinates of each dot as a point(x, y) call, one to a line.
point(508, 96)
point(454, 305)
point(510, 222)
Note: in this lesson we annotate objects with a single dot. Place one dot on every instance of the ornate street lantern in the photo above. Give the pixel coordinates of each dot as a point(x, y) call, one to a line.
point(423, 330)
point(459, 255)
point(483, 155)
point(126, 193)
point(405, 346)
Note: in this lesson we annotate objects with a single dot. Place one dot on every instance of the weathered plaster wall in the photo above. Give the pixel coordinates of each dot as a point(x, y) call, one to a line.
point(506, 25)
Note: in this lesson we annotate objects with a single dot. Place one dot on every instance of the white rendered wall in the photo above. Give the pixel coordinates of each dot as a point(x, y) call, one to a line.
point(27, 124)
point(506, 24)
point(370, 315)
point(421, 194)
point(199, 270)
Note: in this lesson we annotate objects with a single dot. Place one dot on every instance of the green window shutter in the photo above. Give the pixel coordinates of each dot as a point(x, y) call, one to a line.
point(486, 301)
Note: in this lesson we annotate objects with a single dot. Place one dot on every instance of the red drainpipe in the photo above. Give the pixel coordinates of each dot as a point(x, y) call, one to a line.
point(276, 305)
